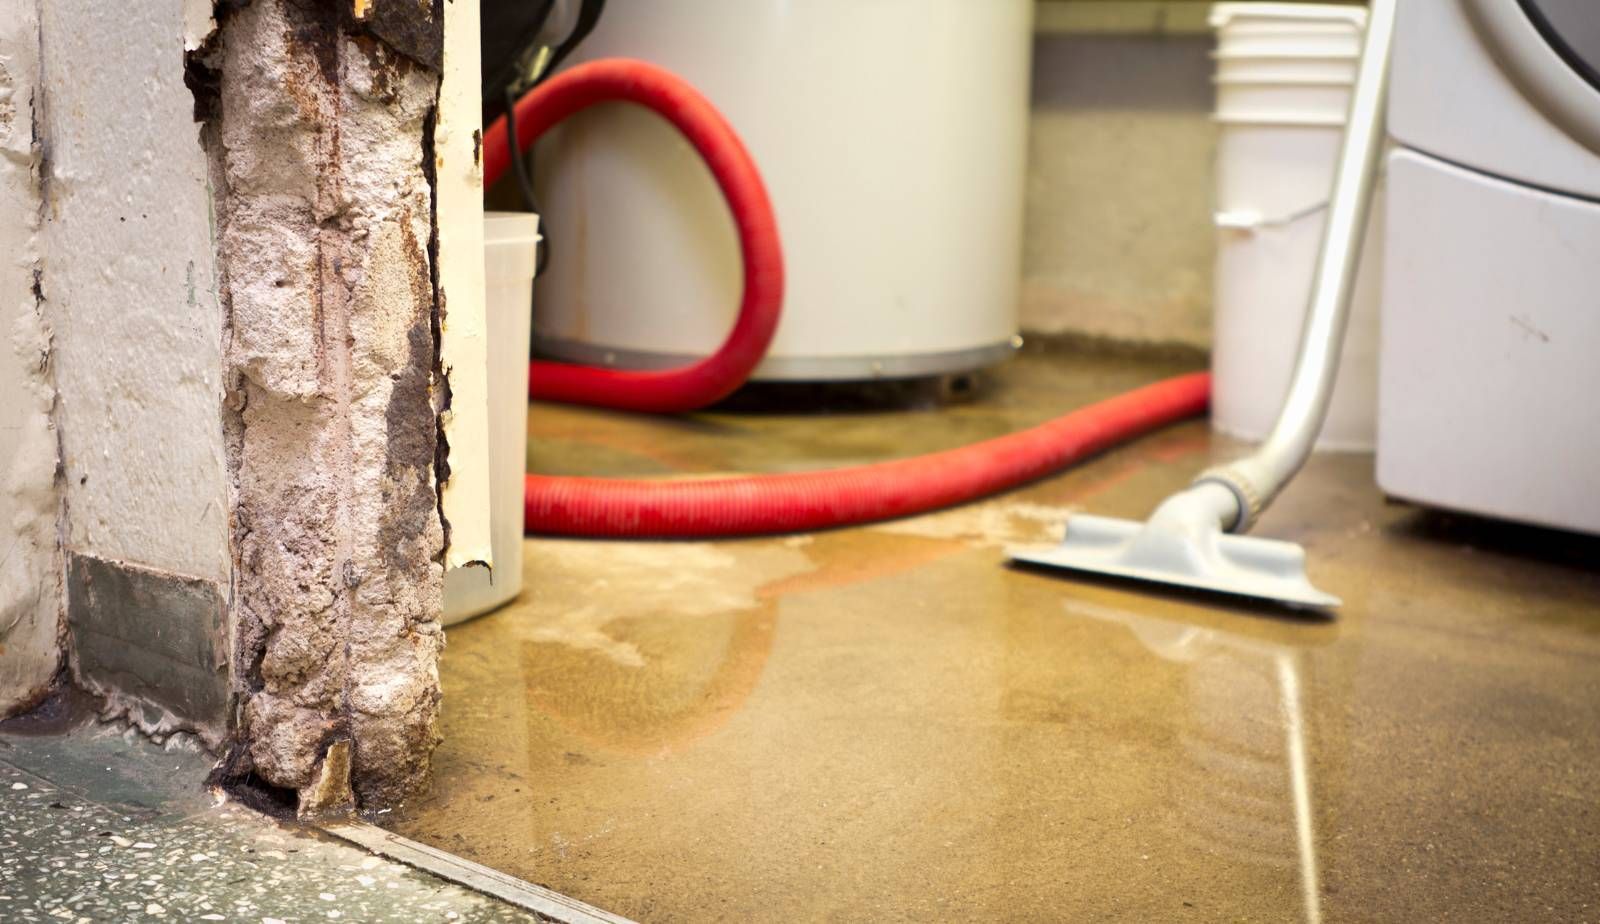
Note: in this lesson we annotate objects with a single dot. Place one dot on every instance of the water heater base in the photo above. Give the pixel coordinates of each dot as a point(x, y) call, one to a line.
point(793, 368)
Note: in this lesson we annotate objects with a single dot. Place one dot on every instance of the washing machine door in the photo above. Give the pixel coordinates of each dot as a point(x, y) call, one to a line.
point(1551, 50)
point(1572, 27)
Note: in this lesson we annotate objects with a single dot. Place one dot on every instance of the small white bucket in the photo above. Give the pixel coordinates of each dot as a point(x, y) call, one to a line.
point(1302, 102)
point(509, 242)
point(1289, 44)
point(1287, 68)
point(1285, 63)
point(1282, 121)
point(1287, 30)
point(1246, 16)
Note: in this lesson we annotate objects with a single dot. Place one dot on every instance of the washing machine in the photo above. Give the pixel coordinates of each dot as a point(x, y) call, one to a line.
point(1489, 369)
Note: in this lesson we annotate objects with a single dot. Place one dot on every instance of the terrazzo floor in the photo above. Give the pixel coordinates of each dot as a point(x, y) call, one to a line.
point(101, 825)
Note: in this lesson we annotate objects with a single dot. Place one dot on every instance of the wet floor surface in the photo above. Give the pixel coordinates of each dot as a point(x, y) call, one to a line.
point(889, 723)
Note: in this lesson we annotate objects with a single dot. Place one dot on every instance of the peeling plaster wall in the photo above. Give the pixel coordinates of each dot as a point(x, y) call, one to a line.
point(30, 569)
point(319, 133)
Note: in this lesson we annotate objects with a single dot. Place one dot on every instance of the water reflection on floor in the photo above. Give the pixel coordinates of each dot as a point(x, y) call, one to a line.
point(888, 723)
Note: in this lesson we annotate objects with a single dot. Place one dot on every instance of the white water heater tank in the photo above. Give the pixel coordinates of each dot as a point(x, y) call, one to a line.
point(892, 137)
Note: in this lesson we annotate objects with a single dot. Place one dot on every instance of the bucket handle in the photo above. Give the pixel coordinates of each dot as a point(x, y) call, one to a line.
point(1249, 222)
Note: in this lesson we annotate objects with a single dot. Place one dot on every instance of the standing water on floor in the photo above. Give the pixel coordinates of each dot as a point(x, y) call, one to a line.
point(889, 723)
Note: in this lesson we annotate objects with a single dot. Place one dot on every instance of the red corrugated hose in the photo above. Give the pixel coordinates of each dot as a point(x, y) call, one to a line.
point(766, 504)
point(763, 504)
point(667, 391)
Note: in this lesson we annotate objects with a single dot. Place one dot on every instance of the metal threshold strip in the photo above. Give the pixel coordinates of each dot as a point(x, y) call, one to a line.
point(474, 876)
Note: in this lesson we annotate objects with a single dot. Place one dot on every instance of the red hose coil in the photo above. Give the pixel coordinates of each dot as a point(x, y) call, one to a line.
point(667, 391)
point(765, 504)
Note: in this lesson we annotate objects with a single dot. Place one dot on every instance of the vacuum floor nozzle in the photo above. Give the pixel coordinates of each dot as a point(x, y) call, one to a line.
point(1203, 558)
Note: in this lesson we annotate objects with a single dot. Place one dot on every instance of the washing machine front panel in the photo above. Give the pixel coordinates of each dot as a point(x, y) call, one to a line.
point(1487, 378)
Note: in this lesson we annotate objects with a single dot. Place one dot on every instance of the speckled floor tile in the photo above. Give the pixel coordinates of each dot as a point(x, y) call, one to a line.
point(146, 843)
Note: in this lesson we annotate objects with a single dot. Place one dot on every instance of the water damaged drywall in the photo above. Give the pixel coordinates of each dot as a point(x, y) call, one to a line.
point(317, 121)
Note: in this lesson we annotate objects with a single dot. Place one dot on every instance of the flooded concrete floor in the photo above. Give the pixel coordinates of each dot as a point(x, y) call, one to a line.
point(889, 723)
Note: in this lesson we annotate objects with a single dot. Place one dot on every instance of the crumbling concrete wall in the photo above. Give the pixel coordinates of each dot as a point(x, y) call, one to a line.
point(30, 565)
point(318, 123)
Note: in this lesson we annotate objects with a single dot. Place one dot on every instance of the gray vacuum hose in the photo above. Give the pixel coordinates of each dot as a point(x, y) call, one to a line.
point(1257, 478)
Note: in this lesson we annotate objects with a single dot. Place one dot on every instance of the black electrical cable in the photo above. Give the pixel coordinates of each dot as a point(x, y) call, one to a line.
point(519, 169)
point(588, 17)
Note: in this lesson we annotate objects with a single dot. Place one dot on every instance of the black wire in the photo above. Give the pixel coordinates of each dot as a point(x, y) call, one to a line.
point(519, 168)
point(588, 17)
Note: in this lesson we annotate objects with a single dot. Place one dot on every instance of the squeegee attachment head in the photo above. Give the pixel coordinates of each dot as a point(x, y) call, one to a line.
point(1203, 558)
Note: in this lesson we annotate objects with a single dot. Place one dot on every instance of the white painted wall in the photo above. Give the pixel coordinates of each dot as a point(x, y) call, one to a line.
point(131, 289)
point(30, 566)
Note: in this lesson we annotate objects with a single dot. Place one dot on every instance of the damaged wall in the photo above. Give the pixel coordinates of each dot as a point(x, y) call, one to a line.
point(30, 569)
point(234, 230)
point(132, 289)
point(318, 128)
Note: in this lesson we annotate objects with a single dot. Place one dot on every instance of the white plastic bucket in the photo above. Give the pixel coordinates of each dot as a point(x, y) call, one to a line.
point(1231, 17)
point(1279, 101)
point(1294, 30)
point(1285, 63)
point(509, 239)
point(1282, 121)
point(1289, 43)
point(1287, 68)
